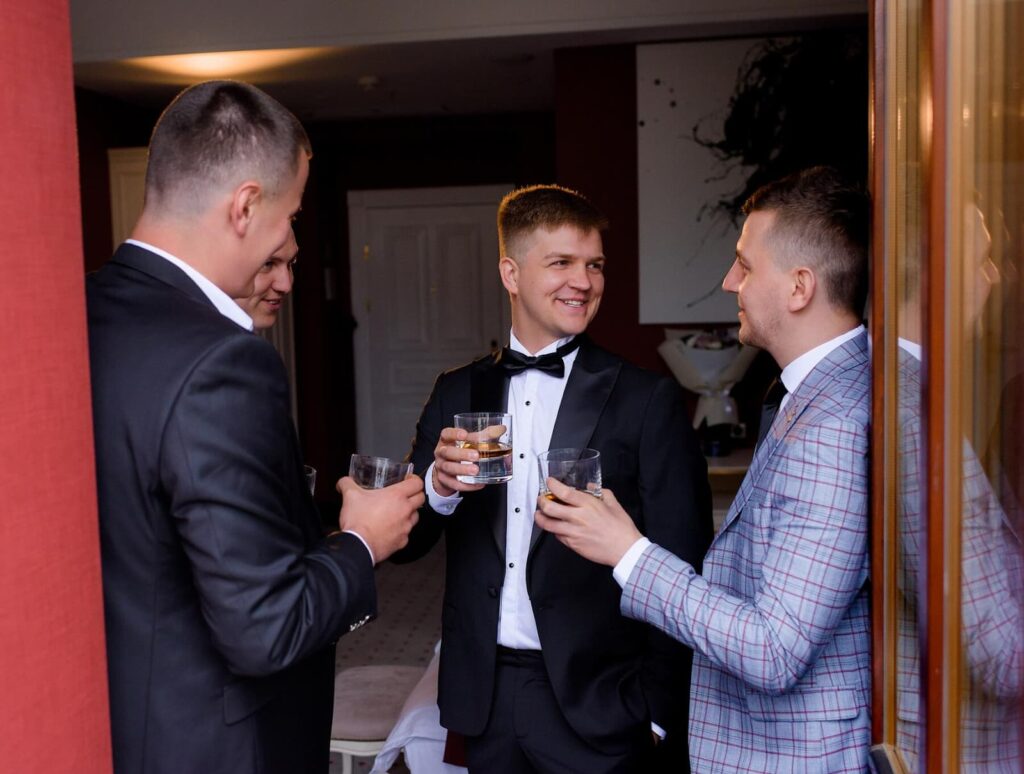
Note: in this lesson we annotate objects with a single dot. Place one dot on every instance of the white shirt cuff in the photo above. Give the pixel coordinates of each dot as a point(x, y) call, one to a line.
point(373, 559)
point(628, 561)
point(658, 730)
point(443, 505)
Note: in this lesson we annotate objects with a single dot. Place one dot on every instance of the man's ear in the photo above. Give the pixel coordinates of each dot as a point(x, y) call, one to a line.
point(508, 268)
point(804, 285)
point(243, 206)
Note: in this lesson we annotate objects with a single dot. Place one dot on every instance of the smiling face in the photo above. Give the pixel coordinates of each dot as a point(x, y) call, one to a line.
point(555, 280)
point(758, 282)
point(273, 282)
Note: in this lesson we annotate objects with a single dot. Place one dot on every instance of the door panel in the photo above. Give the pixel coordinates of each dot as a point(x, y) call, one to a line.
point(427, 298)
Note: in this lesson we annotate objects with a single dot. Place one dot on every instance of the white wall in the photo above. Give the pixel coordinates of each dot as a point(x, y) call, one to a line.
point(685, 247)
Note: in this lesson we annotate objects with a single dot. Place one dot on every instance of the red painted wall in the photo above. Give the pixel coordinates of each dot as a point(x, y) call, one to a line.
point(595, 136)
point(53, 713)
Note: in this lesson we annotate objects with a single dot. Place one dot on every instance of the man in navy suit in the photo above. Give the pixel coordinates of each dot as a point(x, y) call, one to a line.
point(539, 671)
point(222, 598)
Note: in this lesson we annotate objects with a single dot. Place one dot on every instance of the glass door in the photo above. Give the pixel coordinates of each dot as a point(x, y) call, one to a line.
point(948, 179)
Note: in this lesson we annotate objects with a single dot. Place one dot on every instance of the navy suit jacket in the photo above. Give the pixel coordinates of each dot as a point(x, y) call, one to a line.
point(611, 676)
point(222, 598)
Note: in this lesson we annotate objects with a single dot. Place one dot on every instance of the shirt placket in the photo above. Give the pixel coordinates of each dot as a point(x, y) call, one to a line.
point(517, 534)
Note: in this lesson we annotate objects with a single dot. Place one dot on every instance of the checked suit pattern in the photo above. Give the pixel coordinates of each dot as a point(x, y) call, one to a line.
point(779, 620)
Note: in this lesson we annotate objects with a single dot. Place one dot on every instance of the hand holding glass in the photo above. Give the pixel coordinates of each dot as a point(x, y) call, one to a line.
point(377, 472)
point(578, 468)
point(490, 435)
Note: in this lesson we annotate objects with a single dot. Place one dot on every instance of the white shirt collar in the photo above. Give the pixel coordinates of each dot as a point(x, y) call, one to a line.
point(221, 300)
point(517, 346)
point(912, 348)
point(796, 372)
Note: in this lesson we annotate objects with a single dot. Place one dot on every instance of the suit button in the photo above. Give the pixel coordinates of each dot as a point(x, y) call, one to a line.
point(493, 592)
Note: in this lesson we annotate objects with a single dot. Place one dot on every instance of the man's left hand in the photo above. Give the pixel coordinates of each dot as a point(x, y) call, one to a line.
point(596, 528)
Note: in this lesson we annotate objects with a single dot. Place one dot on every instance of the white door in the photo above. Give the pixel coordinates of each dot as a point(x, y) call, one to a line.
point(426, 297)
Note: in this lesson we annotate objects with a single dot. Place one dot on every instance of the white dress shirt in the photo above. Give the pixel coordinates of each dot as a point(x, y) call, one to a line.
point(224, 303)
point(912, 348)
point(792, 376)
point(534, 398)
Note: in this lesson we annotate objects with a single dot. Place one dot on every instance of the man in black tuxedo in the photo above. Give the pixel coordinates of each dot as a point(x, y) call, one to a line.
point(222, 598)
point(539, 671)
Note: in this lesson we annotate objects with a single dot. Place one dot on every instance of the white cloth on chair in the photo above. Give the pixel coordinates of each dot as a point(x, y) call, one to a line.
point(418, 732)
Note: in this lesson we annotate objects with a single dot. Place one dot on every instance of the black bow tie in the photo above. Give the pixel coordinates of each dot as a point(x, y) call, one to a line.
point(516, 362)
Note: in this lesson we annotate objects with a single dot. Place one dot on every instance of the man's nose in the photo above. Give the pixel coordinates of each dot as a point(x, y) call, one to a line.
point(579, 278)
point(731, 283)
point(283, 279)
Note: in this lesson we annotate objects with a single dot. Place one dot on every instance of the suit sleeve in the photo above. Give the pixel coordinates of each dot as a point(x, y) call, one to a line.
point(991, 566)
point(230, 466)
point(430, 526)
point(991, 573)
point(676, 506)
point(814, 566)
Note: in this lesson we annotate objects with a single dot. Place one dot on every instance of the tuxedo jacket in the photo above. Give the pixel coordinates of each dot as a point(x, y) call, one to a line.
point(611, 676)
point(779, 621)
point(222, 599)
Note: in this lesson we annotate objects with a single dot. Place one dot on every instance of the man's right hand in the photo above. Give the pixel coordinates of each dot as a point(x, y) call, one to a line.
point(449, 462)
point(381, 517)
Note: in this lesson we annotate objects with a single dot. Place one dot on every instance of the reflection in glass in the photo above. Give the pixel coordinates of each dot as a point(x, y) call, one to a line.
point(979, 335)
point(983, 251)
point(905, 247)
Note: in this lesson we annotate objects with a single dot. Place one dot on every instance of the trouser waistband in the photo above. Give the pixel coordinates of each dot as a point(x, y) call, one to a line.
point(519, 658)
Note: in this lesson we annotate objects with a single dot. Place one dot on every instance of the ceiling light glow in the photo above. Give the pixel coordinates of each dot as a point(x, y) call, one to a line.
point(223, 64)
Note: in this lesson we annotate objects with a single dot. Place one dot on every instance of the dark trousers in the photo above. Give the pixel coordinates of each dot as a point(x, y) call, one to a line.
point(527, 734)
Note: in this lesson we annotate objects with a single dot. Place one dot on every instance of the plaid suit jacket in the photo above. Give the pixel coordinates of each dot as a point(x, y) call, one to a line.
point(779, 619)
point(991, 608)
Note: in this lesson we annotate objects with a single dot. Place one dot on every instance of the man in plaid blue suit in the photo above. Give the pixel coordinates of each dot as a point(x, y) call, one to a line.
point(779, 619)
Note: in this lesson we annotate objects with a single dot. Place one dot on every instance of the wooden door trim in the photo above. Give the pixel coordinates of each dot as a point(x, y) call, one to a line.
point(941, 747)
point(883, 380)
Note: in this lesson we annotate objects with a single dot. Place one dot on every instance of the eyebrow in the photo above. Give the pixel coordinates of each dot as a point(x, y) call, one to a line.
point(572, 255)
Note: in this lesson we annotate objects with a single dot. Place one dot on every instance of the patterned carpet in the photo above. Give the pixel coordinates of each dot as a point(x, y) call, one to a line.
point(408, 625)
point(406, 630)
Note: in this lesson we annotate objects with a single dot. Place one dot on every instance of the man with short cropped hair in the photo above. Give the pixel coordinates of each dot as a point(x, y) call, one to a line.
point(222, 598)
point(779, 619)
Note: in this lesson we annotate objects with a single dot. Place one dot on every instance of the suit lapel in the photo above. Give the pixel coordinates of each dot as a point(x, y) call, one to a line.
point(159, 268)
point(489, 392)
point(591, 381)
point(849, 355)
